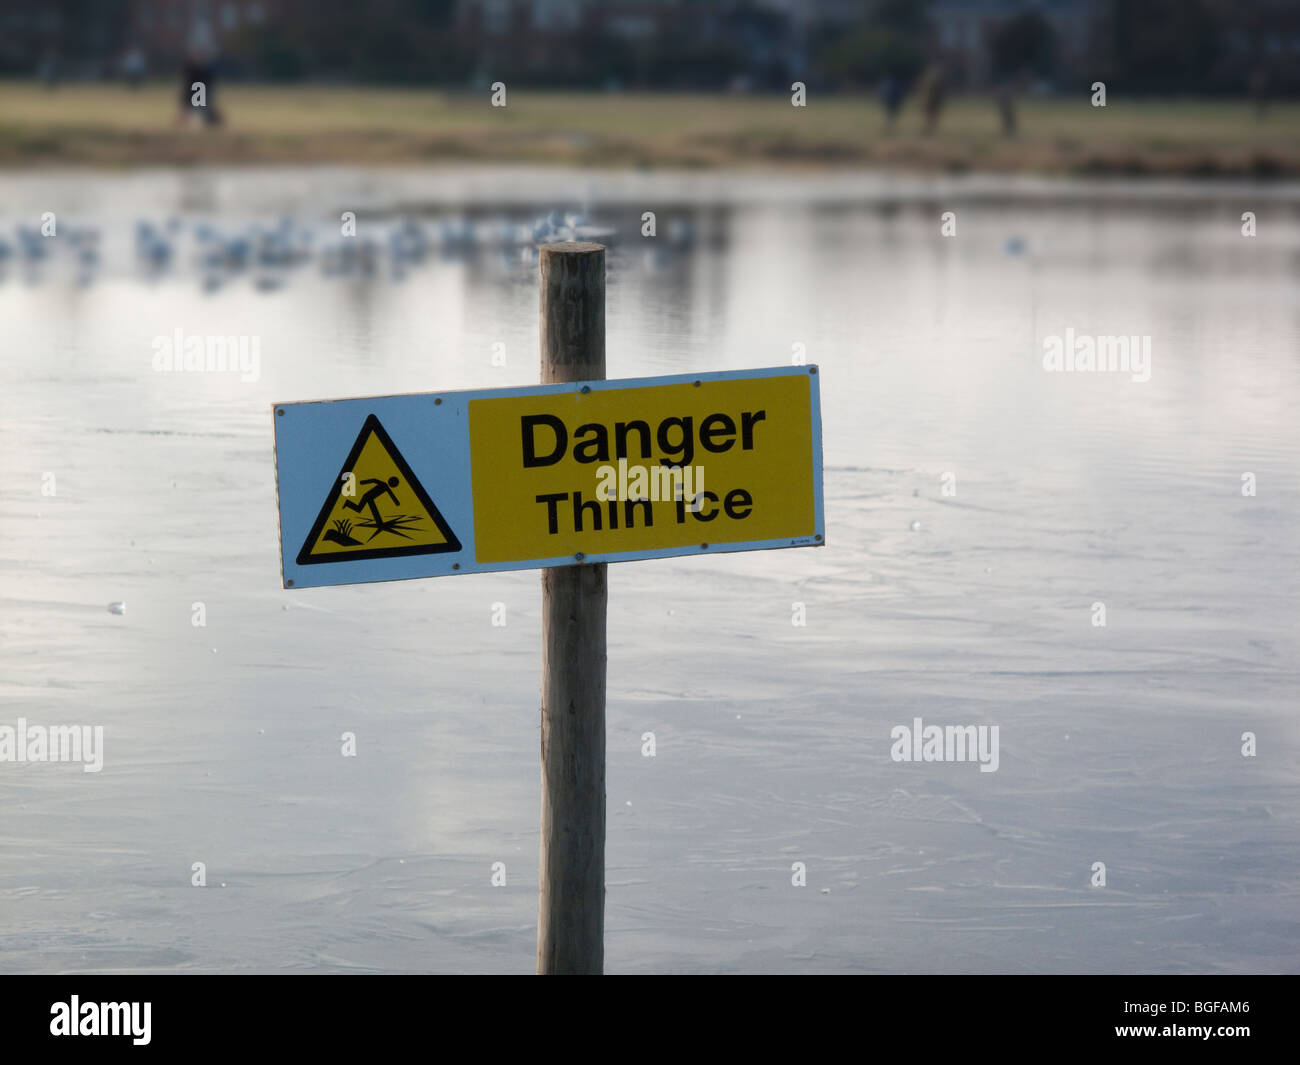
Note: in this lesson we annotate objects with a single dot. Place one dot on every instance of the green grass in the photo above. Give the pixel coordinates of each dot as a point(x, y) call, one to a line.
point(110, 125)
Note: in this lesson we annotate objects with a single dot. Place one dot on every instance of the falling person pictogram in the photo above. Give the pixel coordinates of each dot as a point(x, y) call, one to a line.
point(394, 524)
point(355, 528)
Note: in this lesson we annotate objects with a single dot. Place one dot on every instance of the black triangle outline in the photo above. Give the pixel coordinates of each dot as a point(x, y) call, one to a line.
point(372, 427)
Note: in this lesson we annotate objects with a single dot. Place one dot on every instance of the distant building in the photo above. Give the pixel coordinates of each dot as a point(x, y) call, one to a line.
point(166, 29)
point(963, 28)
point(62, 40)
point(662, 42)
point(1232, 46)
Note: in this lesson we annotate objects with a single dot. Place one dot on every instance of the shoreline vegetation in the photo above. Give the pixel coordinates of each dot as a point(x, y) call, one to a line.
point(112, 126)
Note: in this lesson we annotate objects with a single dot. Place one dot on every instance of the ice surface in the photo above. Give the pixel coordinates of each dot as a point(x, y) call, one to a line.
point(1118, 744)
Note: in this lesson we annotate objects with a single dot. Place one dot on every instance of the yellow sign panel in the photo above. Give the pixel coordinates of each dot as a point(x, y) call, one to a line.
point(376, 508)
point(643, 469)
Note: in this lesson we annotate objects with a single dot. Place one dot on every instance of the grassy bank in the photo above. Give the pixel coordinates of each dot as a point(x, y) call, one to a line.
point(98, 125)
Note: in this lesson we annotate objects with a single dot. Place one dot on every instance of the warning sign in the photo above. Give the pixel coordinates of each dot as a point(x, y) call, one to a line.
point(376, 508)
point(573, 473)
point(643, 469)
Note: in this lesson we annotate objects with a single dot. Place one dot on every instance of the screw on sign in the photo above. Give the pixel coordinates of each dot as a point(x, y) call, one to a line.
point(566, 477)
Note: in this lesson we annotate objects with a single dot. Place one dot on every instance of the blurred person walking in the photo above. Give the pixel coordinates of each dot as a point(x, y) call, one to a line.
point(1005, 95)
point(891, 98)
point(198, 105)
point(932, 93)
point(48, 68)
point(133, 66)
point(1258, 87)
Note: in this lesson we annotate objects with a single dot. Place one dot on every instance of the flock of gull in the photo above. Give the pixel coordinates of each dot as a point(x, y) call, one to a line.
point(268, 251)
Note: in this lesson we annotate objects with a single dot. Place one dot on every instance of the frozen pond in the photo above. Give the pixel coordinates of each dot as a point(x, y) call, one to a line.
point(977, 507)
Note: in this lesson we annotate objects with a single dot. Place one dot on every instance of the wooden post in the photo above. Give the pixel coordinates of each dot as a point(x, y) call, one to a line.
point(571, 889)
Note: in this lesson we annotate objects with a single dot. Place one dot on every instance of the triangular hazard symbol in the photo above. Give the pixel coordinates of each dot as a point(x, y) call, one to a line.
point(380, 511)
